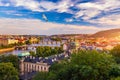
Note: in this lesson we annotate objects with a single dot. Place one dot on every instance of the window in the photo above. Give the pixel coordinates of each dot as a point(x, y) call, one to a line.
point(38, 67)
point(32, 67)
point(44, 68)
point(35, 68)
point(41, 68)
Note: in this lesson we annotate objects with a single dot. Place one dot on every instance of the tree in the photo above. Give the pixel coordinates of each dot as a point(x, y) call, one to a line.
point(11, 58)
point(5, 46)
point(116, 53)
point(93, 65)
point(39, 51)
point(56, 39)
point(85, 65)
point(47, 51)
point(40, 38)
point(32, 53)
point(115, 71)
point(8, 72)
point(117, 78)
point(28, 42)
point(41, 76)
point(44, 76)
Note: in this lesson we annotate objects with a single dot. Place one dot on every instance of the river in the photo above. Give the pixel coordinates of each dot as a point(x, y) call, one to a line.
point(16, 52)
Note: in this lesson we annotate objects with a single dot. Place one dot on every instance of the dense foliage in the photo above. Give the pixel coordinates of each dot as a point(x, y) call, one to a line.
point(84, 65)
point(10, 58)
point(5, 46)
point(18, 44)
point(117, 78)
point(32, 53)
point(28, 42)
point(56, 39)
point(8, 72)
point(47, 51)
point(116, 53)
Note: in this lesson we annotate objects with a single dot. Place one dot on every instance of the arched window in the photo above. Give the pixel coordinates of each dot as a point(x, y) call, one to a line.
point(38, 67)
point(44, 68)
point(41, 68)
point(35, 67)
point(32, 67)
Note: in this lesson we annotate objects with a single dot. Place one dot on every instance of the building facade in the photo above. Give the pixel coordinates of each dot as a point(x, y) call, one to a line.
point(5, 41)
point(28, 66)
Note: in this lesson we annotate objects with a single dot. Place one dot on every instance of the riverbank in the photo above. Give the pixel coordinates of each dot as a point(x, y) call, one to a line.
point(6, 50)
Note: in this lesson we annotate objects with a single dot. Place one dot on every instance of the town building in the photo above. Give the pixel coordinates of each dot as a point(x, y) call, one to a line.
point(5, 41)
point(30, 65)
point(12, 41)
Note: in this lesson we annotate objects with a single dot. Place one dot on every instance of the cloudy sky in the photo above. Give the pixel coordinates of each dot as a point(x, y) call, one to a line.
point(64, 16)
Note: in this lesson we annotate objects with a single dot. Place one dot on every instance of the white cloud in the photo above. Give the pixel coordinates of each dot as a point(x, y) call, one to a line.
point(89, 10)
point(87, 14)
point(48, 5)
point(29, 4)
point(86, 10)
point(4, 4)
point(108, 5)
point(42, 6)
point(92, 9)
point(111, 20)
point(64, 6)
point(34, 26)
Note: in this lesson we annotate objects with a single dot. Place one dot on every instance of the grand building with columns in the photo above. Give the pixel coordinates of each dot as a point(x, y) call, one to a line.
point(30, 65)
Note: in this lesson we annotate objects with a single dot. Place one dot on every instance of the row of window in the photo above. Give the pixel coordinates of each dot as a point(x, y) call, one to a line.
point(34, 67)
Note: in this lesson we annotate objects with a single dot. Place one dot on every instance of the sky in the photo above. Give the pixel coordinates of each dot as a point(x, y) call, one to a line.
point(64, 16)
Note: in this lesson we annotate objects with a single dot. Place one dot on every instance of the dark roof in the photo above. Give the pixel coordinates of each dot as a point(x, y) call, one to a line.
point(49, 60)
point(33, 59)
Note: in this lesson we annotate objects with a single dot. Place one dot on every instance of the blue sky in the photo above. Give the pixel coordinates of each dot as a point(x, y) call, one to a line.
point(64, 16)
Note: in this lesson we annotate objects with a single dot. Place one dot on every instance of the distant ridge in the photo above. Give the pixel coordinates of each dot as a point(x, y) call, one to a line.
point(107, 33)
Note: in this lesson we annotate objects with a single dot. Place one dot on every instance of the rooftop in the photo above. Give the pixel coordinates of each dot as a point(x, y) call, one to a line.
point(49, 60)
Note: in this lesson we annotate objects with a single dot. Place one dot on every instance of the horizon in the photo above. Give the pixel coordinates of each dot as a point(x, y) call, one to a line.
point(60, 33)
point(56, 17)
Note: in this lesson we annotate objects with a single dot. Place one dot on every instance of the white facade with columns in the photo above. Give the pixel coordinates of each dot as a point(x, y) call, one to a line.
point(26, 67)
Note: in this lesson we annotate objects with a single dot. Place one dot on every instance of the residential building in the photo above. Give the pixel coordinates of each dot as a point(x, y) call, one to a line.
point(3, 41)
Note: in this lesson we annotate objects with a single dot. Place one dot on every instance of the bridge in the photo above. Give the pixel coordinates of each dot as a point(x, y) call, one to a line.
point(32, 46)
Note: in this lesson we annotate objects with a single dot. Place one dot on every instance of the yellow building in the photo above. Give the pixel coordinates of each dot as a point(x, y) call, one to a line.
point(12, 41)
point(8, 41)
